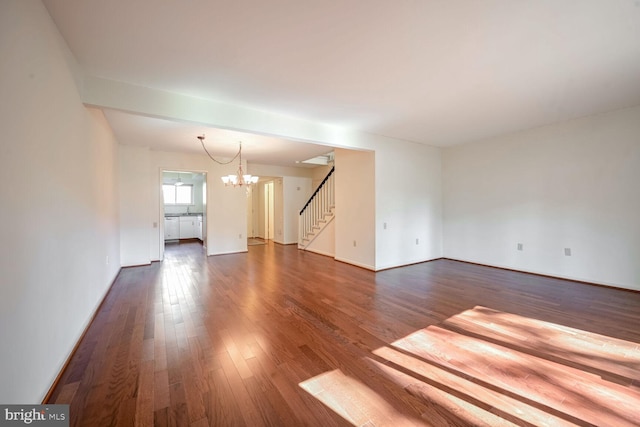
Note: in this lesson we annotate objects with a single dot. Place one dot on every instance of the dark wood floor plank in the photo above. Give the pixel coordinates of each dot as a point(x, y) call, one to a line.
point(238, 392)
point(278, 336)
point(226, 408)
point(144, 408)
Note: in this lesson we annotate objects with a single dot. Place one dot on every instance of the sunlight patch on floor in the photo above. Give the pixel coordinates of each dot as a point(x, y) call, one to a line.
point(592, 350)
point(485, 367)
point(354, 401)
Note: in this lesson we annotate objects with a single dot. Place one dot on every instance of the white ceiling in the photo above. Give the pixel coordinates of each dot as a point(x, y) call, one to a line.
point(430, 71)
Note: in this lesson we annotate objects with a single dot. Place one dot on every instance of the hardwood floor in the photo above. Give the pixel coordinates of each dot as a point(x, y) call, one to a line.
point(283, 337)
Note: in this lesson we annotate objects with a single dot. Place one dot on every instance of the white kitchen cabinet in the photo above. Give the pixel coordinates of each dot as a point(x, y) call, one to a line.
point(171, 228)
point(199, 227)
point(188, 228)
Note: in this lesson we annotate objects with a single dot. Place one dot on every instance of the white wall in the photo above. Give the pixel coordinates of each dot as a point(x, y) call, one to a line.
point(278, 210)
point(291, 193)
point(59, 215)
point(296, 192)
point(270, 209)
point(226, 206)
point(398, 186)
point(570, 185)
point(135, 205)
point(355, 207)
point(276, 171)
point(409, 201)
point(259, 210)
point(318, 174)
point(253, 212)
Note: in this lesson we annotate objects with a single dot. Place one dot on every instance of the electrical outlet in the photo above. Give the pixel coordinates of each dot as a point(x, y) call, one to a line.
point(107, 260)
point(567, 251)
point(520, 247)
point(384, 225)
point(239, 236)
point(155, 225)
point(354, 243)
point(417, 241)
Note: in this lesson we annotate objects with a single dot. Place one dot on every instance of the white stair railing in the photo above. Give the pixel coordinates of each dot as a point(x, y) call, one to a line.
point(319, 206)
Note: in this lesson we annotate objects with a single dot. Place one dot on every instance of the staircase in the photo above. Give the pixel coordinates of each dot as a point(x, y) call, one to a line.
point(318, 211)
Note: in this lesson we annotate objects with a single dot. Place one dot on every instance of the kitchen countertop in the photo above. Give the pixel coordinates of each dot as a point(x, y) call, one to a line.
point(183, 214)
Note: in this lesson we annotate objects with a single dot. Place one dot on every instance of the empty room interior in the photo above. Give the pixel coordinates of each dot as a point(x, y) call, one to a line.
point(361, 213)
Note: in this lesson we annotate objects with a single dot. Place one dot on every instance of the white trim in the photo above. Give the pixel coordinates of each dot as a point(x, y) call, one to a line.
point(550, 275)
point(357, 264)
point(405, 264)
point(315, 251)
point(228, 253)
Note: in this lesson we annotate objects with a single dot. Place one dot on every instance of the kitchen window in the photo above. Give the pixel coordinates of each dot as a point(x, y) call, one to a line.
point(177, 194)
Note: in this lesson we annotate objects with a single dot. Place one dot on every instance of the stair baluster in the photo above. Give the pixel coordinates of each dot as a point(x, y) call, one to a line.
point(318, 207)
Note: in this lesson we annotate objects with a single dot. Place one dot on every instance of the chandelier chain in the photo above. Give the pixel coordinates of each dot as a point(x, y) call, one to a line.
point(240, 178)
point(201, 138)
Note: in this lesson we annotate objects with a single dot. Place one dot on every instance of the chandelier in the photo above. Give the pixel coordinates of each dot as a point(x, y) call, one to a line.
point(240, 178)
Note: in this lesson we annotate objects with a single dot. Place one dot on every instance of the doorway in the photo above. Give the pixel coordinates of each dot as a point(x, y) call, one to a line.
point(269, 223)
point(183, 207)
point(261, 211)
